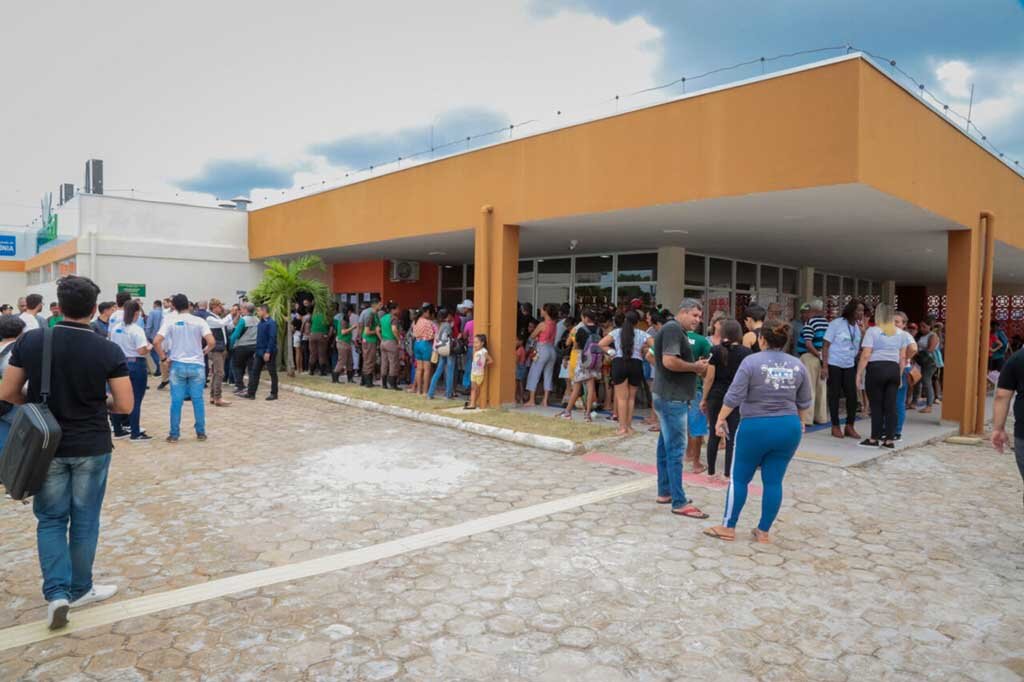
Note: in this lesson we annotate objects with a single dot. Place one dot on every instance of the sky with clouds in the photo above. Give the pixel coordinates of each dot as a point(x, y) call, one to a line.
point(198, 100)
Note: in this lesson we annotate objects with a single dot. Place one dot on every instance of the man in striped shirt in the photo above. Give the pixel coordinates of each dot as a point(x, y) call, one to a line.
point(808, 346)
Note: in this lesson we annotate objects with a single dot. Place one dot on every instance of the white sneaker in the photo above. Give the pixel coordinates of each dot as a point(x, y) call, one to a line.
point(97, 593)
point(57, 614)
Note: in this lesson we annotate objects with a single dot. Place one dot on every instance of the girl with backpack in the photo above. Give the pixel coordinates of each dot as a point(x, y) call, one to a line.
point(585, 341)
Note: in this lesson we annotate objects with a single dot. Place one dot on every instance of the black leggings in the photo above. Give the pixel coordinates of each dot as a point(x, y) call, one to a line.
point(842, 381)
point(882, 381)
point(733, 420)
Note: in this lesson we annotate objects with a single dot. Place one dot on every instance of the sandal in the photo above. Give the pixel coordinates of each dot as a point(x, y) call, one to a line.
point(690, 512)
point(587, 418)
point(714, 532)
point(760, 536)
point(654, 429)
point(663, 500)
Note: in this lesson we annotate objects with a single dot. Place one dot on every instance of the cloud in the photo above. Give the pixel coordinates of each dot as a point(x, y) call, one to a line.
point(226, 178)
point(447, 135)
point(955, 78)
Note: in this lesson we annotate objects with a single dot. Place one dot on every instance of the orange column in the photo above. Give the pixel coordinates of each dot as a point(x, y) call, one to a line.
point(963, 327)
point(496, 255)
point(986, 226)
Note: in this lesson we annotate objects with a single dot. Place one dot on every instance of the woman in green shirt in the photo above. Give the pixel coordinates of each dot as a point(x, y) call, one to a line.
point(318, 343)
point(389, 337)
point(344, 329)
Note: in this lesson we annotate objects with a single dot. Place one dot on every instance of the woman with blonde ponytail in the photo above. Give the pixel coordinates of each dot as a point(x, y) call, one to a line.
point(882, 355)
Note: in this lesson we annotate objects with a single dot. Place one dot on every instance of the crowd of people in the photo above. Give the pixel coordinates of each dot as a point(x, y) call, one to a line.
point(751, 386)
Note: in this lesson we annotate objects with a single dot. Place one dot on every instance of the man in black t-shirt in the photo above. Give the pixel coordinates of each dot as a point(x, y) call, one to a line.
point(1011, 381)
point(675, 386)
point(83, 365)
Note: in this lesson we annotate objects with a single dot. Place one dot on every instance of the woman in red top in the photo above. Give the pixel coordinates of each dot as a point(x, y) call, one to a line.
point(546, 356)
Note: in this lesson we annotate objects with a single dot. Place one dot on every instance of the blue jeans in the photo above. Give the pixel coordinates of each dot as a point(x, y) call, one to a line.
point(138, 373)
point(467, 370)
point(768, 443)
point(672, 415)
point(70, 500)
point(187, 380)
point(156, 360)
point(901, 402)
point(446, 365)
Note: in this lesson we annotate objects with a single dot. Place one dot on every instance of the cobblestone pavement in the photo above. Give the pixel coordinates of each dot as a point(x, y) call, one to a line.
point(908, 568)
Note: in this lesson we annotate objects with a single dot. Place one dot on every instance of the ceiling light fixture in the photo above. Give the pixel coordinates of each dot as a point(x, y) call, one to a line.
point(676, 231)
point(436, 253)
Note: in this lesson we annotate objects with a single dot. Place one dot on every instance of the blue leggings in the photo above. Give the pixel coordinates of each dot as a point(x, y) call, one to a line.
point(769, 443)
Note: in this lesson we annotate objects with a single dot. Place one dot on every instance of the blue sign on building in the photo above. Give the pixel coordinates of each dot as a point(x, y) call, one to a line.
point(8, 245)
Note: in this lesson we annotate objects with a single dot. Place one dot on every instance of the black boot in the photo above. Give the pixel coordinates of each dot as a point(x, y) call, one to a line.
point(349, 376)
point(334, 377)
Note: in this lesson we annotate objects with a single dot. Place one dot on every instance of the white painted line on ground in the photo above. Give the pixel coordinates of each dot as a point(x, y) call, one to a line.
point(107, 614)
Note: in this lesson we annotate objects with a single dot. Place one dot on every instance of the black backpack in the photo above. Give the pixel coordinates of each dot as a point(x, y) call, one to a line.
point(33, 438)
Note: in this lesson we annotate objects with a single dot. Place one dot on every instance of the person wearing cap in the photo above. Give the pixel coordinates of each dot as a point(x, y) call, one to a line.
point(809, 344)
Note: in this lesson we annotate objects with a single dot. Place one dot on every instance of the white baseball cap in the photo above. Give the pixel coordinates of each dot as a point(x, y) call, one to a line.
point(466, 305)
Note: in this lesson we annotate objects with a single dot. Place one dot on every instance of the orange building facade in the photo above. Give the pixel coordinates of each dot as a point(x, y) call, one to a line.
point(833, 167)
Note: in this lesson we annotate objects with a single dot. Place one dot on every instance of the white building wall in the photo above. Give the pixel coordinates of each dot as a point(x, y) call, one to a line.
point(12, 287)
point(171, 248)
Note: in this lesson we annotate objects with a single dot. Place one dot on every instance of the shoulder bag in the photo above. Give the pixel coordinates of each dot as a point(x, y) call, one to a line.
point(33, 438)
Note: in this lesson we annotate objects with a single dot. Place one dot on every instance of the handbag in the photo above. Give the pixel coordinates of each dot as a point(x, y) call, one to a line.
point(33, 438)
point(915, 374)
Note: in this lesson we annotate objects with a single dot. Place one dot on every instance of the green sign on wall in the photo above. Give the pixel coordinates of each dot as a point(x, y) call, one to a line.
point(136, 290)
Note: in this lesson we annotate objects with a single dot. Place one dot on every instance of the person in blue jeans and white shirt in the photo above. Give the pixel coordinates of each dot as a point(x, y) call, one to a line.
point(186, 334)
point(67, 508)
point(675, 387)
point(130, 337)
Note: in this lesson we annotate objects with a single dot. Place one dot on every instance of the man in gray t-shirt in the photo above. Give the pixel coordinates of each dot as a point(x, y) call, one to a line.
point(675, 385)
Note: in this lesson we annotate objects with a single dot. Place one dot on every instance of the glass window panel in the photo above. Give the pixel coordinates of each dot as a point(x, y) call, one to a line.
point(551, 294)
point(832, 285)
point(848, 286)
point(641, 267)
point(525, 294)
point(553, 271)
point(718, 300)
point(470, 273)
point(742, 301)
point(525, 266)
point(720, 275)
point(819, 284)
point(746, 275)
point(694, 270)
point(769, 278)
point(451, 276)
point(790, 281)
point(594, 270)
point(451, 298)
point(592, 294)
point(644, 291)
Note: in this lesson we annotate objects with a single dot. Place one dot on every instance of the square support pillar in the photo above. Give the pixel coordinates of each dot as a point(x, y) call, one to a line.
point(671, 275)
point(805, 285)
point(963, 327)
point(888, 292)
point(495, 288)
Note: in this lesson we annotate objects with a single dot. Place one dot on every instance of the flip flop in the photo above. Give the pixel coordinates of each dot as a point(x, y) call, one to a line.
point(712, 533)
point(690, 512)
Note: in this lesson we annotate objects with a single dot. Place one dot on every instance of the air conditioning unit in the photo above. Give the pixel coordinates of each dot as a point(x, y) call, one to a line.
point(405, 271)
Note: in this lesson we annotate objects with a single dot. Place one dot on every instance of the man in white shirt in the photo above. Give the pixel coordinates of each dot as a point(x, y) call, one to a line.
point(33, 306)
point(117, 317)
point(187, 356)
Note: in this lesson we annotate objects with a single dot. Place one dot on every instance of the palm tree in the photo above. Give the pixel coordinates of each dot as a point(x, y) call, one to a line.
point(281, 284)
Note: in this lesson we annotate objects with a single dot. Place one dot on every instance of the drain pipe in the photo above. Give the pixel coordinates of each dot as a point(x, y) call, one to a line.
point(92, 253)
point(987, 236)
